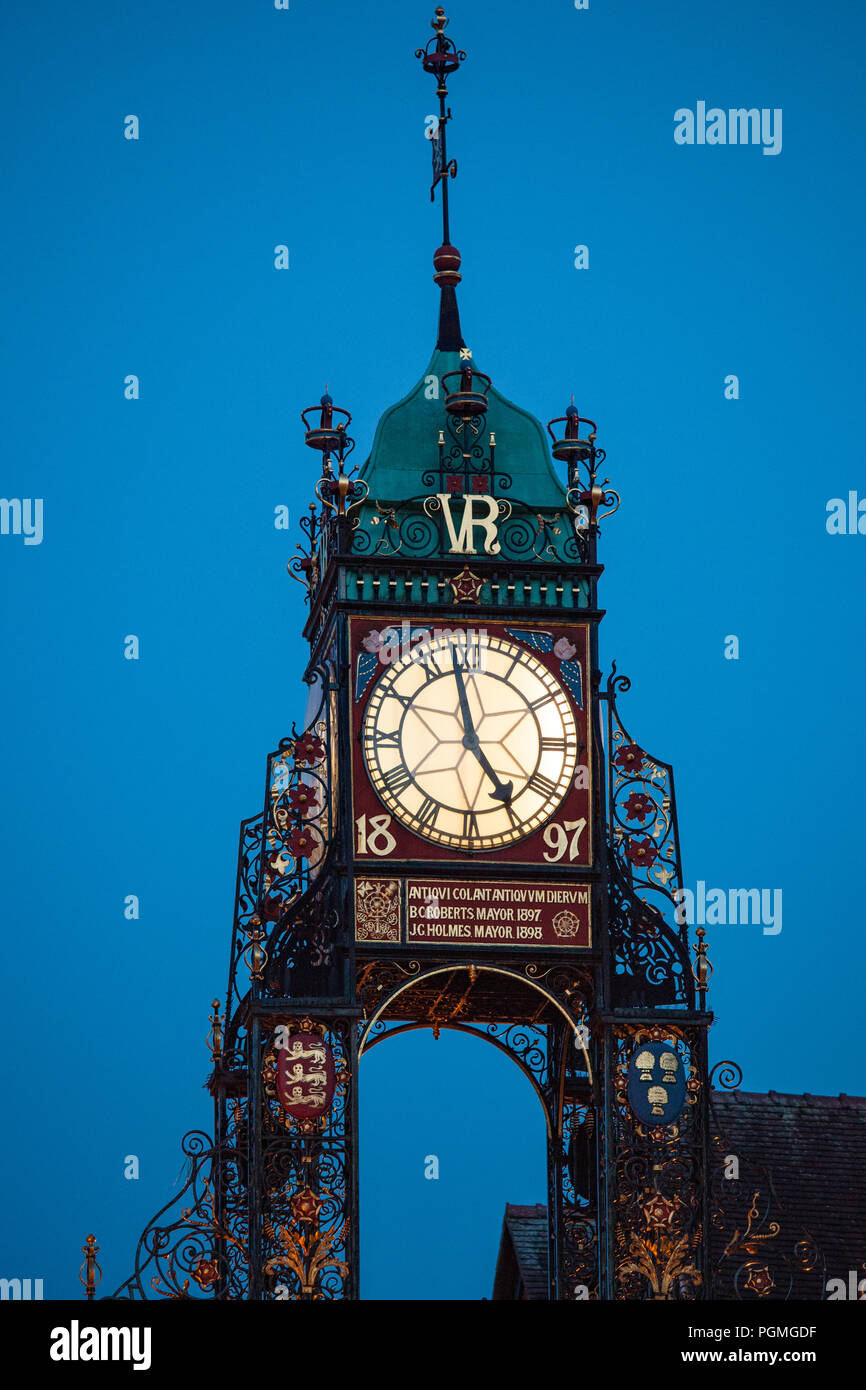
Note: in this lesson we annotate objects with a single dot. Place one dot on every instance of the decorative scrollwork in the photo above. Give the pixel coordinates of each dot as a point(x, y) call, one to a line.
point(727, 1074)
point(306, 1180)
point(464, 465)
point(202, 1252)
point(642, 820)
point(416, 527)
point(651, 966)
point(659, 1238)
point(759, 1251)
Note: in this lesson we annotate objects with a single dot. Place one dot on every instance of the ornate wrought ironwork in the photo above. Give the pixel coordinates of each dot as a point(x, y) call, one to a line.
point(202, 1252)
point(440, 57)
point(650, 964)
point(304, 1248)
point(641, 812)
point(463, 464)
point(339, 494)
point(299, 815)
point(659, 1178)
point(651, 960)
point(586, 496)
point(90, 1273)
point(759, 1252)
point(414, 528)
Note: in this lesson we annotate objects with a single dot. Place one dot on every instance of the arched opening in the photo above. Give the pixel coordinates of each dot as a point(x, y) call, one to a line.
point(451, 1130)
point(420, 1238)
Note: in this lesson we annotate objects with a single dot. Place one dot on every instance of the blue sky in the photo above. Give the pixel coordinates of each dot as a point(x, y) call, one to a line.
point(155, 257)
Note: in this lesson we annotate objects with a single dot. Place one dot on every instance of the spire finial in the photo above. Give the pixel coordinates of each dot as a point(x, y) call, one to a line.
point(440, 57)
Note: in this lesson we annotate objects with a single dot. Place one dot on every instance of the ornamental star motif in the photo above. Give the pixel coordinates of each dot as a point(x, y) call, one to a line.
point(760, 1281)
point(466, 586)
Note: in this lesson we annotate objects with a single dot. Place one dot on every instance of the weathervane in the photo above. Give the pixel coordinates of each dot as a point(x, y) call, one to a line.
point(441, 57)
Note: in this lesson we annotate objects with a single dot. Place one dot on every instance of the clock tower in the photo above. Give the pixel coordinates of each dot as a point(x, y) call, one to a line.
point(461, 834)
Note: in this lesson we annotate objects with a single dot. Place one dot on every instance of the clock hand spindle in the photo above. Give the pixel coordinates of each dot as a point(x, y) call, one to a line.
point(501, 790)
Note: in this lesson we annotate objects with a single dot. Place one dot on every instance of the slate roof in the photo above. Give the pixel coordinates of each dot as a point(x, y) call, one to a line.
point(806, 1157)
point(814, 1150)
point(521, 1269)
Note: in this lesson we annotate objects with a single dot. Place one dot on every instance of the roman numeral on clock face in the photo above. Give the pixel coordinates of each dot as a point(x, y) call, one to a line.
point(510, 671)
point(470, 826)
point(427, 665)
point(428, 811)
point(397, 779)
point(541, 701)
point(553, 745)
point(541, 784)
point(404, 700)
point(384, 738)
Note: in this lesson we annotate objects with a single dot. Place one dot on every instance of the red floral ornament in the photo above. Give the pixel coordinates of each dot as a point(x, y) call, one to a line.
point(205, 1273)
point(466, 586)
point(660, 1211)
point(302, 843)
point(638, 806)
point(271, 909)
point(641, 852)
point(303, 798)
point(309, 749)
point(305, 1205)
point(629, 758)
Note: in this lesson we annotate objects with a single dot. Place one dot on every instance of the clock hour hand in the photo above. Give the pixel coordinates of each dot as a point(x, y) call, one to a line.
point(501, 790)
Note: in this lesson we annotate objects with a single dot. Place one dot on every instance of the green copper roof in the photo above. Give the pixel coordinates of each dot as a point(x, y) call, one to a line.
point(405, 446)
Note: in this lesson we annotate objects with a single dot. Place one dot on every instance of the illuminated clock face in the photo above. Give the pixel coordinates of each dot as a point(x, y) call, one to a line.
point(471, 743)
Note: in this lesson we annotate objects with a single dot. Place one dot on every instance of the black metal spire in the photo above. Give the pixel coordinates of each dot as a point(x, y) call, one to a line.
point(441, 57)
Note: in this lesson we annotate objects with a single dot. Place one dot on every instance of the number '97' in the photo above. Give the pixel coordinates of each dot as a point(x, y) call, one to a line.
point(556, 839)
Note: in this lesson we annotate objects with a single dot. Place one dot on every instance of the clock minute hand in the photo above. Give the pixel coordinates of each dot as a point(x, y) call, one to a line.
point(501, 790)
point(465, 711)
